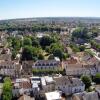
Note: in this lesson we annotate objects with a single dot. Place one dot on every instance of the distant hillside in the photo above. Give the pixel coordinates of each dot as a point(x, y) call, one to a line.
point(47, 22)
point(55, 19)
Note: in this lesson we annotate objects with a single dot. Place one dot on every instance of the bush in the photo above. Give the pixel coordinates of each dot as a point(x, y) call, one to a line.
point(87, 81)
point(97, 78)
point(7, 89)
point(47, 71)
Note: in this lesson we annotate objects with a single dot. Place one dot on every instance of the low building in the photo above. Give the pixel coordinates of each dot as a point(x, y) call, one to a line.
point(40, 85)
point(36, 85)
point(78, 66)
point(86, 96)
point(47, 83)
point(26, 97)
point(55, 95)
point(21, 86)
point(10, 68)
point(69, 85)
point(5, 57)
point(47, 65)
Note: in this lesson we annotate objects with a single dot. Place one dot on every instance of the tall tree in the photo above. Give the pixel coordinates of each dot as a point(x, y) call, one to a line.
point(46, 41)
point(16, 43)
point(7, 89)
point(27, 53)
point(35, 42)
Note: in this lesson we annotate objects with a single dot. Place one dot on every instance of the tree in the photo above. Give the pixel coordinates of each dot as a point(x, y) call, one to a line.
point(46, 41)
point(7, 89)
point(16, 43)
point(81, 33)
point(40, 57)
point(27, 41)
point(75, 48)
point(58, 53)
point(31, 53)
point(28, 53)
point(87, 81)
point(35, 42)
point(95, 45)
point(55, 46)
point(82, 48)
point(97, 78)
point(95, 32)
point(14, 53)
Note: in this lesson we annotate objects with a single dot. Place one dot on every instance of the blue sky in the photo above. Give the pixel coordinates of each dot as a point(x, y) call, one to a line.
point(49, 8)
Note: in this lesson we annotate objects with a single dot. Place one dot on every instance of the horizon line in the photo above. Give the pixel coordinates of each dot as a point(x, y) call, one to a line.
point(97, 17)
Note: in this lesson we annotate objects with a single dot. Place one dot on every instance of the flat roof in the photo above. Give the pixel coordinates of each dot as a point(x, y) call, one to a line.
point(56, 95)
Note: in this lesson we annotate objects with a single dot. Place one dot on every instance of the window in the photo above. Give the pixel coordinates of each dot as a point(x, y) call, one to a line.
point(51, 64)
point(55, 64)
point(75, 90)
point(80, 90)
point(43, 64)
point(36, 64)
point(47, 64)
point(39, 64)
point(4, 66)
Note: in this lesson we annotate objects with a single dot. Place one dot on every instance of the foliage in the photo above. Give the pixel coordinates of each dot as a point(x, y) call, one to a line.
point(27, 41)
point(97, 78)
point(55, 46)
point(89, 52)
point(57, 50)
point(82, 48)
point(14, 53)
point(81, 33)
point(16, 43)
point(75, 48)
point(35, 42)
point(47, 71)
point(95, 32)
point(28, 53)
point(58, 53)
point(7, 89)
point(46, 41)
point(41, 57)
point(95, 45)
point(31, 53)
point(87, 81)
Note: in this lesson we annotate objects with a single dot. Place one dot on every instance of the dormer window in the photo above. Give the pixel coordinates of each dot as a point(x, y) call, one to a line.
point(51, 64)
point(39, 64)
point(55, 64)
point(47, 64)
point(43, 64)
point(36, 65)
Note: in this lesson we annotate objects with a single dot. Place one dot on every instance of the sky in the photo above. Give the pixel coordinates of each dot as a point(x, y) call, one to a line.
point(11, 9)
